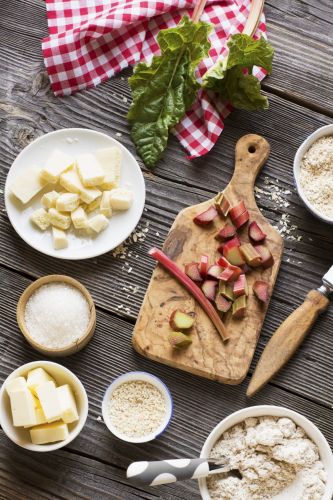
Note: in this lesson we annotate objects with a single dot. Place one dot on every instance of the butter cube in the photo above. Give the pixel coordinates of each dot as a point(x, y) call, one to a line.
point(56, 164)
point(59, 220)
point(67, 202)
point(110, 161)
point(40, 418)
point(49, 433)
point(40, 218)
point(60, 240)
point(48, 397)
point(120, 199)
point(105, 207)
point(69, 412)
point(23, 408)
point(90, 171)
point(28, 184)
point(49, 199)
point(98, 223)
point(93, 206)
point(71, 181)
point(79, 218)
point(16, 384)
point(89, 195)
point(37, 377)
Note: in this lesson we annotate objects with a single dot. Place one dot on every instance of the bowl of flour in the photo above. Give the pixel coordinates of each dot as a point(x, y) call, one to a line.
point(313, 173)
point(279, 453)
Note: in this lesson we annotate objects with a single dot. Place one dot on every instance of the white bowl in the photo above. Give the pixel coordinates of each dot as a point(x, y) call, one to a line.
point(304, 147)
point(62, 375)
point(145, 377)
point(74, 141)
point(276, 411)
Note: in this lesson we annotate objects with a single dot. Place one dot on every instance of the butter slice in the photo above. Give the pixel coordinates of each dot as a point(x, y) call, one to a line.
point(23, 408)
point(110, 161)
point(93, 206)
point(28, 184)
point(40, 418)
point(71, 181)
point(57, 163)
point(49, 199)
point(69, 412)
point(49, 433)
point(37, 377)
point(67, 202)
point(60, 240)
point(79, 218)
point(105, 207)
point(48, 397)
point(16, 384)
point(40, 218)
point(98, 223)
point(120, 199)
point(59, 220)
point(90, 171)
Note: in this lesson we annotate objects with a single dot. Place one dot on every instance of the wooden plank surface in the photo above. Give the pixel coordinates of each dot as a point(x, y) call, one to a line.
point(301, 100)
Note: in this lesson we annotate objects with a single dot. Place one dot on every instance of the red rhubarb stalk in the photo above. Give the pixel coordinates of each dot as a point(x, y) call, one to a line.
point(194, 290)
point(205, 217)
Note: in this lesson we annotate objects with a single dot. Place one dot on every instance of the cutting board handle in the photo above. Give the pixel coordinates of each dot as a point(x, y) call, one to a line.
point(252, 152)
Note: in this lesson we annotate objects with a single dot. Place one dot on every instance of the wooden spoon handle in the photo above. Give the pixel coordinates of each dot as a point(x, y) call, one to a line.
point(286, 340)
point(254, 17)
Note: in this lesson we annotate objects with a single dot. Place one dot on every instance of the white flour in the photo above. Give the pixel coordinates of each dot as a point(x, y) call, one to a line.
point(276, 459)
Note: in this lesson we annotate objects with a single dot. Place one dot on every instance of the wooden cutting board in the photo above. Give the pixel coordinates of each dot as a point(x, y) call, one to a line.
point(208, 356)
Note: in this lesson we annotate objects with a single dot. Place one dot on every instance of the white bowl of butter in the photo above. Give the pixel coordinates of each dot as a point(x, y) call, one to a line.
point(64, 422)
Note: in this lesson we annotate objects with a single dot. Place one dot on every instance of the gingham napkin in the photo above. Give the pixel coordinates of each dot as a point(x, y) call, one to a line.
point(91, 40)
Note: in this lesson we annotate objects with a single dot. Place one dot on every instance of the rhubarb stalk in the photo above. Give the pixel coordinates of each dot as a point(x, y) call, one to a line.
point(194, 290)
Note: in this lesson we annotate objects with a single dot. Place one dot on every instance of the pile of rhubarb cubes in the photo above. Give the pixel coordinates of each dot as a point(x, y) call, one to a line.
point(224, 282)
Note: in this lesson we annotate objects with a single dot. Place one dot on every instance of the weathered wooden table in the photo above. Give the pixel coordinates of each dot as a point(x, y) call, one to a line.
point(301, 99)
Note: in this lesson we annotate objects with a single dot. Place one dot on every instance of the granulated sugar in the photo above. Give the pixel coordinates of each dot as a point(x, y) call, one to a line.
point(275, 458)
point(316, 175)
point(136, 408)
point(56, 315)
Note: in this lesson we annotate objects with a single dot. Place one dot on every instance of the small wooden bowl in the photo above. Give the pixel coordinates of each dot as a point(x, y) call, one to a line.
point(71, 348)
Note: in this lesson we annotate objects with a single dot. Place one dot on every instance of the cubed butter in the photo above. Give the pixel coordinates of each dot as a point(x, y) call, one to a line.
point(40, 418)
point(23, 408)
point(93, 206)
point(16, 384)
point(79, 218)
point(58, 219)
point(49, 433)
point(49, 199)
point(120, 199)
point(71, 181)
point(69, 412)
point(67, 202)
point(37, 377)
point(56, 164)
point(60, 239)
point(28, 184)
point(105, 207)
point(98, 223)
point(89, 195)
point(110, 161)
point(48, 397)
point(90, 171)
point(40, 218)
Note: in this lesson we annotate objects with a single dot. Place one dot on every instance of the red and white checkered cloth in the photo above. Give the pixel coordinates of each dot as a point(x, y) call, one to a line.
point(91, 40)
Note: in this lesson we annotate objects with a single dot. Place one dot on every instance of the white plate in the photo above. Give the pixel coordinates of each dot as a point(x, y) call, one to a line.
point(74, 141)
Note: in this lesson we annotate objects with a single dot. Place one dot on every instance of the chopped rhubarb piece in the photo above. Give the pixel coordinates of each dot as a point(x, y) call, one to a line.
point(205, 217)
point(255, 232)
point(232, 253)
point(226, 290)
point(222, 261)
point(203, 265)
point(214, 271)
point(222, 304)
point(267, 259)
point(260, 290)
point(209, 289)
point(236, 271)
point(241, 219)
point(179, 339)
point(227, 275)
point(250, 254)
point(237, 210)
point(222, 204)
point(192, 271)
point(240, 286)
point(239, 307)
point(228, 231)
point(180, 320)
point(193, 289)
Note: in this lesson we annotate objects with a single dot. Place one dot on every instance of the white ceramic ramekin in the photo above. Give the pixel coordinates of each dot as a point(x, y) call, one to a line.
point(62, 375)
point(275, 411)
point(145, 377)
point(321, 132)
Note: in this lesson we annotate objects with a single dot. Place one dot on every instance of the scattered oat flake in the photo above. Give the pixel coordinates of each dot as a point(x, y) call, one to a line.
point(119, 134)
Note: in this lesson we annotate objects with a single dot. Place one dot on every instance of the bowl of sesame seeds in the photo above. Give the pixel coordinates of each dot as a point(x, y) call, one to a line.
point(137, 407)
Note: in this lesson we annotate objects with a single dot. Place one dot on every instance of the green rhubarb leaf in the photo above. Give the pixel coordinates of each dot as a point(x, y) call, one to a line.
point(232, 77)
point(163, 91)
